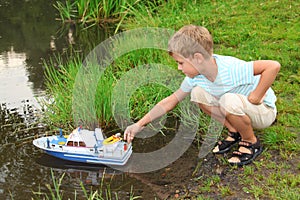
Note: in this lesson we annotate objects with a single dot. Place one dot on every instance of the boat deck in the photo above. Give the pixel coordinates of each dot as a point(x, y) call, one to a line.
point(60, 140)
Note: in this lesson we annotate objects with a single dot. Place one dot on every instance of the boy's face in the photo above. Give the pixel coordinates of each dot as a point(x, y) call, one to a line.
point(186, 65)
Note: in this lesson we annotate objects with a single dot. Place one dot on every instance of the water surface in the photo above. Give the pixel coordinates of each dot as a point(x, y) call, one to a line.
point(29, 36)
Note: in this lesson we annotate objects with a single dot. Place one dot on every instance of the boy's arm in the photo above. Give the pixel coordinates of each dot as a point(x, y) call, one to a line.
point(163, 107)
point(268, 70)
point(157, 111)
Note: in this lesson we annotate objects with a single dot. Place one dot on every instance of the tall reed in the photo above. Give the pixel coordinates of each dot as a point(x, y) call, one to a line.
point(60, 79)
point(93, 12)
point(98, 109)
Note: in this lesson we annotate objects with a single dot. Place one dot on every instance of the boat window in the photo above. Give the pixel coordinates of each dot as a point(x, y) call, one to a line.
point(70, 143)
point(76, 144)
point(82, 144)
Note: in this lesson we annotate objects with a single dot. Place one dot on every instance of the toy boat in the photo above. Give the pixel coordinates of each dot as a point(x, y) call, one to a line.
point(87, 147)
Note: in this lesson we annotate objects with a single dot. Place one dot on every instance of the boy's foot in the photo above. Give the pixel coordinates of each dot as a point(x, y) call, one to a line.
point(225, 145)
point(246, 153)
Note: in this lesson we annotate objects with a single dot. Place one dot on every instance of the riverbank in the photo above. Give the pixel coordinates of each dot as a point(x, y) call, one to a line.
point(250, 31)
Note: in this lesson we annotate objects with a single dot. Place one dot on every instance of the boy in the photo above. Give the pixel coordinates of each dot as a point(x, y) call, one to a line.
point(235, 92)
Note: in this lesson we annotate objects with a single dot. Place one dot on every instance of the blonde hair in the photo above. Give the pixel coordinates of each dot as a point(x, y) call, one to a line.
point(191, 39)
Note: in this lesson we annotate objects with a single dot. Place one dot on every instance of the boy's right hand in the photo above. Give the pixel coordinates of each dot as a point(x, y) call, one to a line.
point(254, 99)
point(131, 131)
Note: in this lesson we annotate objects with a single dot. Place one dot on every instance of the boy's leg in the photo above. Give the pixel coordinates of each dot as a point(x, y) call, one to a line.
point(215, 112)
point(210, 105)
point(243, 125)
point(243, 115)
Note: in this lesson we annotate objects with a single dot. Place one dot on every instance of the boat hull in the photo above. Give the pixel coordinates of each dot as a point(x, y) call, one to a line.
point(88, 159)
point(82, 154)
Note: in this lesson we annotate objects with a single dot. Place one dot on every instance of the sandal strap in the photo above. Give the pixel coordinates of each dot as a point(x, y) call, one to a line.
point(254, 148)
point(225, 143)
point(234, 135)
point(242, 156)
point(245, 144)
point(249, 145)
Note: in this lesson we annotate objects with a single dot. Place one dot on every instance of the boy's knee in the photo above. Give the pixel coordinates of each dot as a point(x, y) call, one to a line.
point(196, 91)
point(200, 96)
point(232, 103)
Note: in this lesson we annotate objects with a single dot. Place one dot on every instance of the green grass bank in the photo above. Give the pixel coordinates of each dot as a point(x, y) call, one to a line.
point(249, 30)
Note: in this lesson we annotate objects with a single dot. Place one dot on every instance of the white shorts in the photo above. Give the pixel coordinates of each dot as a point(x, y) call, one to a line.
point(261, 115)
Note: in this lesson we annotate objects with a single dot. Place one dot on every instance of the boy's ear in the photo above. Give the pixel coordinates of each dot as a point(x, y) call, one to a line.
point(199, 57)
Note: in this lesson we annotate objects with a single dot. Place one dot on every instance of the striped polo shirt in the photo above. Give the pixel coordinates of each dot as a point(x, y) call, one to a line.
point(234, 76)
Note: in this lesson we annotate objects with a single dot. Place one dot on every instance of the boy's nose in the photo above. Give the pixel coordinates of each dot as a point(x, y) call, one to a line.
point(179, 67)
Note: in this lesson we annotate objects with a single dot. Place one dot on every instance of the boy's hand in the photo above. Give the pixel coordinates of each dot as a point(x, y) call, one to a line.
point(131, 131)
point(254, 99)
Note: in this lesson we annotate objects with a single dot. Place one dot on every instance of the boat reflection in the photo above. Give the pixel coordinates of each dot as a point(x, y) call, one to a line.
point(91, 174)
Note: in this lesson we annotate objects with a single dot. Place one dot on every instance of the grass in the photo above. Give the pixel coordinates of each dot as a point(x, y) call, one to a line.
point(94, 12)
point(251, 30)
point(61, 82)
point(55, 191)
point(270, 177)
point(277, 183)
point(248, 30)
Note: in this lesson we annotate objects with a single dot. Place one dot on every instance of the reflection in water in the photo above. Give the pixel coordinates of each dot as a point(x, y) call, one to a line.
point(25, 30)
point(24, 169)
point(15, 87)
point(87, 173)
point(29, 34)
point(16, 170)
point(26, 27)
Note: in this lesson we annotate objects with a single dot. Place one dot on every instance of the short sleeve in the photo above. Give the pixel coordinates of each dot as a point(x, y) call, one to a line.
point(242, 73)
point(186, 85)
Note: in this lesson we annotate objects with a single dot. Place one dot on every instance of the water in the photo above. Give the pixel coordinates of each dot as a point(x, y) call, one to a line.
point(22, 45)
point(30, 35)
